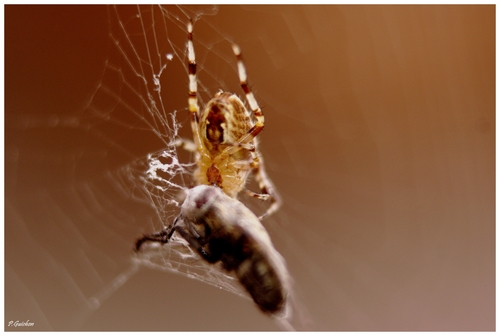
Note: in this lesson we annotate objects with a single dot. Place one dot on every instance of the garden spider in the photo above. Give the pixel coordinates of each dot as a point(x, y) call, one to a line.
point(214, 223)
point(225, 140)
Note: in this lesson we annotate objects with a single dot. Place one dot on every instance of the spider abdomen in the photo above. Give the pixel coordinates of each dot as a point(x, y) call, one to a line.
point(223, 123)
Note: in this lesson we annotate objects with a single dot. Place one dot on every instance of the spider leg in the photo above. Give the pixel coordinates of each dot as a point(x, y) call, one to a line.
point(268, 190)
point(193, 90)
point(266, 186)
point(185, 144)
point(252, 102)
point(239, 145)
point(257, 165)
point(262, 197)
point(254, 106)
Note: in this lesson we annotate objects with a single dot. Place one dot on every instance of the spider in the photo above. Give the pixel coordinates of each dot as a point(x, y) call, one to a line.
point(214, 223)
point(225, 140)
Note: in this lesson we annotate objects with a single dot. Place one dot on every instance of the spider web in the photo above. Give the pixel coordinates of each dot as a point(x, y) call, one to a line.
point(379, 136)
point(149, 41)
point(132, 120)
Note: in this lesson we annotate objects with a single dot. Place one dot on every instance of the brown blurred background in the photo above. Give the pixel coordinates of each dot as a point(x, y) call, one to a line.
point(380, 136)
